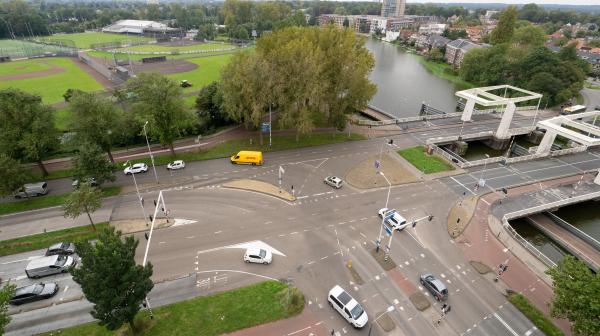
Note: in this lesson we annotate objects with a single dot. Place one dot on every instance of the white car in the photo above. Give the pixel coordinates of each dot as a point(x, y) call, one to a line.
point(136, 168)
point(348, 307)
point(177, 164)
point(395, 220)
point(333, 181)
point(258, 256)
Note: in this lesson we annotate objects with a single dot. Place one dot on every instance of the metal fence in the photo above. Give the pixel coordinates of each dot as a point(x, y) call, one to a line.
point(527, 245)
point(101, 69)
point(575, 231)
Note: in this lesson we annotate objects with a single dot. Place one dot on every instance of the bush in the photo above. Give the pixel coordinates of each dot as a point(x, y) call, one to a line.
point(538, 318)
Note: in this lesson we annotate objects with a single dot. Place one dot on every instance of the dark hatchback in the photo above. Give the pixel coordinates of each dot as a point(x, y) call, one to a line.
point(61, 248)
point(34, 292)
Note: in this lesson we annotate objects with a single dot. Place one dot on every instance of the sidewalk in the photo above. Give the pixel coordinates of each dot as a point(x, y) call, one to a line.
point(486, 241)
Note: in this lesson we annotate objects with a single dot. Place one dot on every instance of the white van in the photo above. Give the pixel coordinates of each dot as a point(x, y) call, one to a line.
point(349, 308)
point(45, 266)
point(32, 190)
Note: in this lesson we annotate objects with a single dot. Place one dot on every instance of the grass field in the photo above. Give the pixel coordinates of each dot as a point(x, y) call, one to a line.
point(161, 48)
point(444, 71)
point(50, 88)
point(85, 40)
point(17, 68)
point(43, 240)
point(47, 201)
point(211, 315)
point(428, 164)
point(209, 69)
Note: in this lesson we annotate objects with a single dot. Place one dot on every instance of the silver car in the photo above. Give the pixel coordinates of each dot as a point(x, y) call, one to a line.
point(32, 189)
point(334, 181)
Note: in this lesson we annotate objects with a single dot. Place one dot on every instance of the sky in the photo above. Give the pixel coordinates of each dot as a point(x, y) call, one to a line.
point(539, 2)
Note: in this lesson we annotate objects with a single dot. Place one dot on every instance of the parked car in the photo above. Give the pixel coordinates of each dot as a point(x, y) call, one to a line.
point(434, 286)
point(395, 220)
point(50, 265)
point(333, 181)
point(61, 248)
point(177, 164)
point(136, 168)
point(347, 306)
point(34, 292)
point(92, 181)
point(259, 256)
point(32, 190)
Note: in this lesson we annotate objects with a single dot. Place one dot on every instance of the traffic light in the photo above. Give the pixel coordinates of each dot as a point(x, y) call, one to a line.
point(430, 218)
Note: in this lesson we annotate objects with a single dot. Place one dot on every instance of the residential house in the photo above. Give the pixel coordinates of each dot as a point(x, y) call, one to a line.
point(426, 43)
point(457, 49)
point(432, 29)
point(474, 33)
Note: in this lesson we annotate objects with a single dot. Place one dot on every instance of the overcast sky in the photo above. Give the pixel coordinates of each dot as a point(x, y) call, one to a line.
point(539, 2)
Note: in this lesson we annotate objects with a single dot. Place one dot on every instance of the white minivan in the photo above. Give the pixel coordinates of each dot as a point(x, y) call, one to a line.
point(45, 266)
point(349, 308)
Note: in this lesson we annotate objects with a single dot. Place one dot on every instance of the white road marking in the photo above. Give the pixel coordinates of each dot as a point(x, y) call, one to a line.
point(27, 259)
point(66, 288)
point(325, 257)
point(511, 330)
point(297, 331)
point(183, 221)
point(462, 185)
point(251, 244)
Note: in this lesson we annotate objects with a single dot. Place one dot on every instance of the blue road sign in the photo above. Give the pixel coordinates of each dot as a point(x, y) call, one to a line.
point(265, 127)
point(388, 230)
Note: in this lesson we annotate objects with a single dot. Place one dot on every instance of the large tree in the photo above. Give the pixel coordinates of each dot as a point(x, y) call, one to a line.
point(506, 26)
point(95, 119)
point(209, 107)
point(12, 175)
point(27, 131)
point(308, 74)
point(85, 199)
point(159, 100)
point(111, 279)
point(89, 161)
point(6, 293)
point(576, 296)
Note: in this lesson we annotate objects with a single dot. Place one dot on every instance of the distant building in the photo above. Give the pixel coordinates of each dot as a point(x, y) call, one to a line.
point(371, 23)
point(432, 29)
point(428, 42)
point(457, 49)
point(141, 27)
point(474, 33)
point(152, 2)
point(393, 8)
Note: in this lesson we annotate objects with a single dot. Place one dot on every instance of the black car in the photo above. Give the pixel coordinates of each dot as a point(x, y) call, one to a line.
point(435, 286)
point(91, 181)
point(61, 248)
point(34, 292)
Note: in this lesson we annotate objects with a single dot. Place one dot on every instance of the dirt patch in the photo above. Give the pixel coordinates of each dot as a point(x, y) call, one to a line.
point(260, 186)
point(165, 68)
point(364, 175)
point(385, 322)
point(380, 258)
point(480, 267)
point(138, 225)
point(54, 69)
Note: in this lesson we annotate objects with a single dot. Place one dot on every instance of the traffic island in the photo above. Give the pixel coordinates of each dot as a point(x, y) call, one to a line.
point(460, 215)
point(364, 175)
point(380, 257)
point(419, 301)
point(386, 323)
point(261, 187)
point(480, 267)
point(127, 226)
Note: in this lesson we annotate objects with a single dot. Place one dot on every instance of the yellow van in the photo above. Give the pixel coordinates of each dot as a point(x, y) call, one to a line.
point(247, 157)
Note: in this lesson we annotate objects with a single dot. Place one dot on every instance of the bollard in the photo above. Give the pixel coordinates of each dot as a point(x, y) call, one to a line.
point(349, 263)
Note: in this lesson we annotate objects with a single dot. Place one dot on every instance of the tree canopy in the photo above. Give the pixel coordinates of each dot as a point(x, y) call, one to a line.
point(576, 296)
point(6, 293)
point(111, 279)
point(506, 25)
point(85, 199)
point(307, 74)
point(12, 175)
point(27, 131)
point(89, 161)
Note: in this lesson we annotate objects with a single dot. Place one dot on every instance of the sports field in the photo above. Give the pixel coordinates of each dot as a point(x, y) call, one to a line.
point(22, 49)
point(47, 77)
point(209, 69)
point(85, 40)
point(150, 48)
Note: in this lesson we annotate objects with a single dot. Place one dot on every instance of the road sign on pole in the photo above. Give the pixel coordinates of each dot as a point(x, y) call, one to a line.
point(265, 127)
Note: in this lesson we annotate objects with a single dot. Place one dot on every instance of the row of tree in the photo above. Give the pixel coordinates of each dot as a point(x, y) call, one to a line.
point(519, 57)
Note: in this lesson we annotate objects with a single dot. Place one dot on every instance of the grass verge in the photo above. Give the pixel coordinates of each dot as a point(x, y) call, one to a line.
point(211, 315)
point(428, 164)
point(280, 142)
point(43, 240)
point(538, 318)
point(444, 71)
point(47, 201)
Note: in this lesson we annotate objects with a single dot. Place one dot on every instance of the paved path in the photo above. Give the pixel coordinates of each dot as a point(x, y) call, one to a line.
point(566, 239)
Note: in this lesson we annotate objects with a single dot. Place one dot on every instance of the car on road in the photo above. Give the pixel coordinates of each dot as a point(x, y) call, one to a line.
point(435, 286)
point(258, 256)
point(49, 265)
point(136, 168)
point(333, 181)
point(61, 248)
point(393, 218)
point(90, 180)
point(347, 306)
point(32, 190)
point(177, 164)
point(34, 292)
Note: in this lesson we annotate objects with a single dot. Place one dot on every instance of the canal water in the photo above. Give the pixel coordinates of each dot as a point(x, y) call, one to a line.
point(403, 83)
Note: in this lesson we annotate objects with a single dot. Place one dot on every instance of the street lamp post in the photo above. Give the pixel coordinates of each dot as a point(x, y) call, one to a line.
point(137, 191)
point(150, 151)
point(388, 310)
point(383, 215)
point(487, 156)
point(270, 128)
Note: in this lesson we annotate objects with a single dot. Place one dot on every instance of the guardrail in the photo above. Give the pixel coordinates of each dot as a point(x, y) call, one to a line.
point(455, 137)
point(568, 151)
point(173, 52)
point(449, 157)
point(538, 209)
point(574, 230)
point(520, 130)
point(395, 121)
point(485, 161)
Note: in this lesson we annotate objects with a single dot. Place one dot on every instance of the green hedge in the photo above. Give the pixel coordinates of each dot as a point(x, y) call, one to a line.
point(536, 317)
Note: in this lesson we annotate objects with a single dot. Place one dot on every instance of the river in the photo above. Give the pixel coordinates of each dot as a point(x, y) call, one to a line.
point(403, 83)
